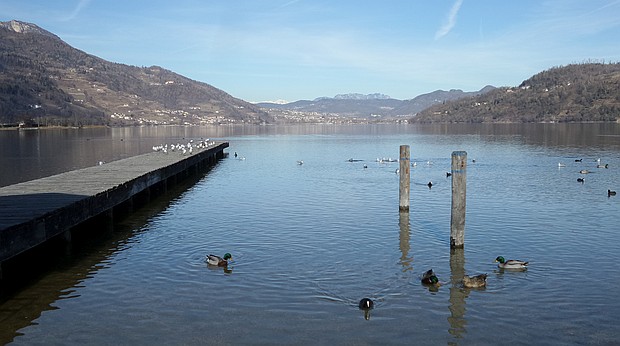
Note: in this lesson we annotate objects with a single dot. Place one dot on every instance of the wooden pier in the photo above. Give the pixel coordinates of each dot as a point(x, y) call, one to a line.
point(36, 211)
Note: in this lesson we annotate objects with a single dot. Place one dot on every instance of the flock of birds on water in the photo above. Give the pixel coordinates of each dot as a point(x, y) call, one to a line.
point(428, 278)
point(585, 171)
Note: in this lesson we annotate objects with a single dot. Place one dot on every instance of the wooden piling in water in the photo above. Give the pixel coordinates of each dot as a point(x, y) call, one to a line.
point(459, 182)
point(405, 179)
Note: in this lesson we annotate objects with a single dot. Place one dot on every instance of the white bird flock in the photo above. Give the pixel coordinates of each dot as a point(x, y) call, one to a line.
point(183, 148)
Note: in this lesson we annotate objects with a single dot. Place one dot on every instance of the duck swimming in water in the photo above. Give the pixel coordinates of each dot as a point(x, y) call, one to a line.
point(219, 261)
point(429, 278)
point(510, 264)
point(475, 281)
point(611, 193)
point(366, 304)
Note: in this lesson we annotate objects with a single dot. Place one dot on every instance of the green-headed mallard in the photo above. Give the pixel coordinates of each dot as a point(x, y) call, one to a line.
point(475, 281)
point(510, 264)
point(429, 278)
point(219, 261)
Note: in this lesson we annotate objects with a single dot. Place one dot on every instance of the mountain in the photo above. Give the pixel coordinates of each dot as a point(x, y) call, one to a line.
point(424, 101)
point(351, 105)
point(359, 105)
point(45, 80)
point(356, 96)
point(572, 93)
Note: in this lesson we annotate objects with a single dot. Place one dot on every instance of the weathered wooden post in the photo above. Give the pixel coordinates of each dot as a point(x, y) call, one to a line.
point(459, 181)
point(405, 179)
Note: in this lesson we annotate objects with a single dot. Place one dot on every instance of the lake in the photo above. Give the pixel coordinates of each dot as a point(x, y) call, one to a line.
point(309, 241)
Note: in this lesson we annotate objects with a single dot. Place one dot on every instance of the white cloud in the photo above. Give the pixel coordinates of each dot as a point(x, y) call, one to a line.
point(76, 11)
point(450, 21)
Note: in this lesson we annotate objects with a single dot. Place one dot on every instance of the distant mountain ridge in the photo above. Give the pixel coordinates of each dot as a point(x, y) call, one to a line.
point(45, 79)
point(356, 96)
point(360, 105)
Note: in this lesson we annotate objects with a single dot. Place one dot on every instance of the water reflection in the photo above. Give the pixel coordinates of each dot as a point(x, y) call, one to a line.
point(514, 185)
point(46, 152)
point(404, 241)
point(68, 265)
point(457, 294)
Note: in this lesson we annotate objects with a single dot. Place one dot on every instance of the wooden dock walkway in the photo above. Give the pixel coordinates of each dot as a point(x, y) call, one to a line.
point(33, 212)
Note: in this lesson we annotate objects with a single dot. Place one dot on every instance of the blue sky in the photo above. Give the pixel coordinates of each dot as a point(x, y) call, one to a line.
point(304, 49)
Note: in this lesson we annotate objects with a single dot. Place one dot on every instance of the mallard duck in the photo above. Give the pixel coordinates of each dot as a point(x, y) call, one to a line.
point(219, 261)
point(510, 264)
point(366, 304)
point(475, 281)
point(429, 278)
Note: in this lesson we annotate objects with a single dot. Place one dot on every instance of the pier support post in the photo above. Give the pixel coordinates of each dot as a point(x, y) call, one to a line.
point(405, 179)
point(459, 180)
point(66, 236)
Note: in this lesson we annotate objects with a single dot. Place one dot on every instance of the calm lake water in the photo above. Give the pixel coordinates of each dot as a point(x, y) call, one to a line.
point(309, 241)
